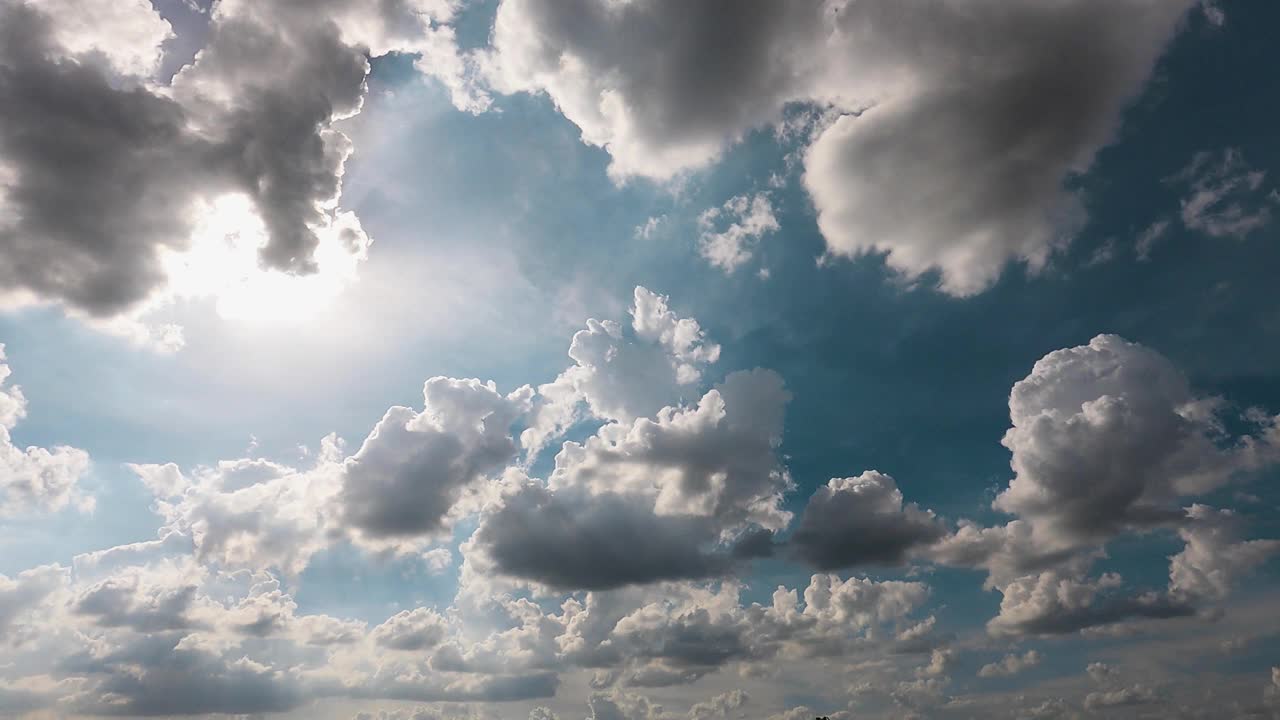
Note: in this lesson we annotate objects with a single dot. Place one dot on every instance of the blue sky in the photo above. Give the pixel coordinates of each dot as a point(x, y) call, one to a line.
point(956, 324)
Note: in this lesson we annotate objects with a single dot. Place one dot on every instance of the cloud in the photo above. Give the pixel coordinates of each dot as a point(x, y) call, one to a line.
point(35, 478)
point(397, 493)
point(24, 592)
point(746, 220)
point(961, 121)
point(653, 499)
point(1106, 437)
point(155, 676)
point(604, 542)
point(1056, 603)
point(622, 376)
point(1224, 197)
point(1010, 665)
point(1120, 697)
point(411, 630)
point(409, 472)
point(1214, 557)
point(1148, 238)
point(121, 192)
point(862, 521)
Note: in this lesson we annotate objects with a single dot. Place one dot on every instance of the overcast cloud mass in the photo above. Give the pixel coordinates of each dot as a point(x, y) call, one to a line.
point(639, 360)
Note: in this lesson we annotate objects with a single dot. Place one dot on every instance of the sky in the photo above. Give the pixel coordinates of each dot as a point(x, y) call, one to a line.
point(639, 360)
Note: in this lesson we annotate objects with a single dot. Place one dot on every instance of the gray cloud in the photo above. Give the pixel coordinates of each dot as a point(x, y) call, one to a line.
point(862, 521)
point(606, 542)
point(411, 469)
point(1107, 436)
point(961, 121)
point(152, 676)
point(34, 478)
point(1224, 196)
point(104, 173)
point(655, 499)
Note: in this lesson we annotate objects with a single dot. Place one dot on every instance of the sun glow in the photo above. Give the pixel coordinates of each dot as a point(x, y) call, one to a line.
point(222, 263)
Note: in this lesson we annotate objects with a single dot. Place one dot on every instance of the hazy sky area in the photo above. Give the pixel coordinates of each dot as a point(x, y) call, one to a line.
point(639, 359)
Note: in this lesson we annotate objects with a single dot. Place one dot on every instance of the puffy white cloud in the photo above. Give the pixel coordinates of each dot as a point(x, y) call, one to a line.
point(745, 220)
point(1132, 695)
point(34, 478)
point(1107, 436)
point(1056, 602)
point(1011, 664)
point(862, 521)
point(127, 34)
point(414, 630)
point(622, 377)
point(397, 493)
point(961, 120)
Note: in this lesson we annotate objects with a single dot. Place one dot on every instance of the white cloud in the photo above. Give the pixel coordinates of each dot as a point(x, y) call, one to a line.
point(35, 478)
point(1108, 436)
point(233, 175)
point(652, 499)
point(745, 220)
point(1011, 664)
point(621, 376)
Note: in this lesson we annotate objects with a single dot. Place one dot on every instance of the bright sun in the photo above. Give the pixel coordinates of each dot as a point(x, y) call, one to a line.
point(222, 264)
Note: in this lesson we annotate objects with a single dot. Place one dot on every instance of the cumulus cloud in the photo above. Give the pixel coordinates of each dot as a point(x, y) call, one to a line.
point(34, 478)
point(862, 521)
point(1011, 664)
point(1215, 556)
point(744, 220)
point(395, 494)
point(1057, 602)
point(653, 499)
point(411, 469)
point(412, 630)
point(961, 121)
point(622, 376)
point(1106, 436)
point(24, 592)
point(114, 181)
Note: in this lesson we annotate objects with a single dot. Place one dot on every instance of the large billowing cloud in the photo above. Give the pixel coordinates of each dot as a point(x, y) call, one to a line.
point(111, 176)
point(1107, 439)
point(656, 499)
point(34, 478)
point(1107, 436)
point(961, 121)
